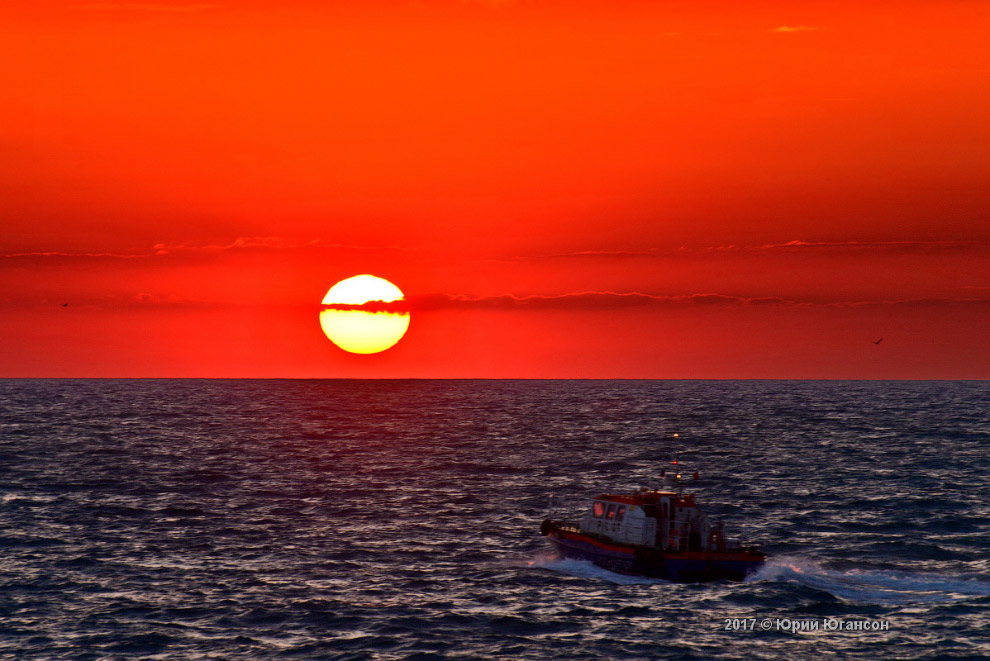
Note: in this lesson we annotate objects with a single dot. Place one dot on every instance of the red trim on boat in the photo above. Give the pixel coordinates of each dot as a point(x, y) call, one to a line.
point(595, 542)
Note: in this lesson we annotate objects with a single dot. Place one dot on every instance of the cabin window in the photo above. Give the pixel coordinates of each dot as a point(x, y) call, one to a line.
point(598, 509)
point(621, 512)
point(663, 509)
point(611, 512)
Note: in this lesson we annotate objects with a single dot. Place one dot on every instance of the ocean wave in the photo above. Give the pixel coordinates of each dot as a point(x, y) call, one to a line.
point(871, 585)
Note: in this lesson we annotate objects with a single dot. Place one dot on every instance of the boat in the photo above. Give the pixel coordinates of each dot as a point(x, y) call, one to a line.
point(658, 533)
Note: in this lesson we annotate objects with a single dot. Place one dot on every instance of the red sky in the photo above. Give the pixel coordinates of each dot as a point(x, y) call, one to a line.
point(655, 189)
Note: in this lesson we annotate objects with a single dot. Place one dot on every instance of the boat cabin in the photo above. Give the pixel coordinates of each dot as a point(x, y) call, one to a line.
point(665, 520)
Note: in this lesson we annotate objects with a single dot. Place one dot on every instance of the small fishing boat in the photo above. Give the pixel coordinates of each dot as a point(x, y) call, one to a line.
point(659, 533)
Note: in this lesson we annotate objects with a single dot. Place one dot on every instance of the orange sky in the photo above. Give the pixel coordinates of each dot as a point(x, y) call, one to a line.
point(562, 189)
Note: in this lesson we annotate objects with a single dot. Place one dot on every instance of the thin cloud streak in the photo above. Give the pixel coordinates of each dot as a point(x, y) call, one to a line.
point(577, 301)
point(71, 255)
point(263, 243)
point(148, 7)
point(275, 243)
point(256, 243)
point(384, 307)
point(865, 244)
point(617, 301)
point(797, 244)
point(592, 300)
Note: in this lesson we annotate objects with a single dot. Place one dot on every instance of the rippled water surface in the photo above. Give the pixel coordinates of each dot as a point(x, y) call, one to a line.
point(399, 519)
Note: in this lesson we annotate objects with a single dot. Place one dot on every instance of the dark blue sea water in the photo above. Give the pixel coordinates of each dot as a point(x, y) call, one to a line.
point(399, 519)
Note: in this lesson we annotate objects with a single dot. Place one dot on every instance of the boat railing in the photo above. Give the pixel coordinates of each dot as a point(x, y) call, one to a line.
point(569, 526)
point(737, 545)
point(679, 540)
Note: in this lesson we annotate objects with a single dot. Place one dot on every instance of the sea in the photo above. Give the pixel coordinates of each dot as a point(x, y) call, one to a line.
point(379, 519)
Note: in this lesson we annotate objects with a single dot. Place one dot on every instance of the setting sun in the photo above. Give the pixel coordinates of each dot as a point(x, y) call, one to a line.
point(355, 323)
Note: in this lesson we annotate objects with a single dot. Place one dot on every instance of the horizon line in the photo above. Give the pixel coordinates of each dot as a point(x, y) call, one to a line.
point(470, 378)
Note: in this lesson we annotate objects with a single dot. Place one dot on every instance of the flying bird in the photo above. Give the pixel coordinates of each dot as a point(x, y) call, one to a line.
point(878, 341)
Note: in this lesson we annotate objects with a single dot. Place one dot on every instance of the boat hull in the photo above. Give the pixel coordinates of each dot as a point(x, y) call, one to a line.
point(679, 567)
